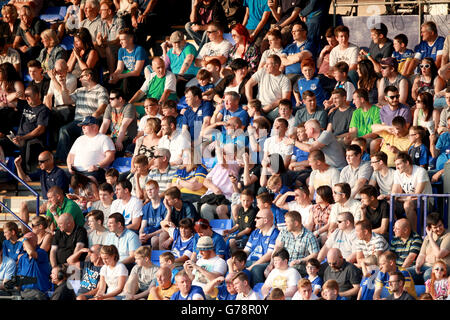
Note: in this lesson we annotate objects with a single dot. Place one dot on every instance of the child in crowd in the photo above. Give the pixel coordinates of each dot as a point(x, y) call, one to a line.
point(142, 167)
point(151, 111)
point(362, 143)
point(370, 271)
point(167, 259)
point(12, 247)
point(153, 212)
point(72, 19)
point(254, 110)
point(341, 76)
point(403, 55)
point(437, 285)
point(237, 236)
point(310, 82)
point(204, 78)
point(418, 151)
point(182, 239)
point(276, 294)
point(112, 177)
point(312, 269)
point(236, 263)
point(106, 195)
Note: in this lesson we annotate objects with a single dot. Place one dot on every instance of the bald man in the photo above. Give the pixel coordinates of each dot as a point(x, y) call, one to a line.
point(67, 241)
point(346, 274)
point(165, 288)
point(260, 245)
point(405, 244)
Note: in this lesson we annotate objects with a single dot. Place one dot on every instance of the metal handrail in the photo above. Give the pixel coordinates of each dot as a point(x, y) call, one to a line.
point(420, 197)
point(34, 192)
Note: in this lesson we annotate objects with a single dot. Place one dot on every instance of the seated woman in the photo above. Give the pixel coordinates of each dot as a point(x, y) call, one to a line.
point(85, 191)
point(44, 236)
point(320, 212)
point(243, 47)
point(189, 179)
point(148, 143)
point(83, 56)
point(368, 79)
point(10, 16)
point(425, 115)
point(428, 79)
point(323, 61)
point(234, 82)
point(52, 50)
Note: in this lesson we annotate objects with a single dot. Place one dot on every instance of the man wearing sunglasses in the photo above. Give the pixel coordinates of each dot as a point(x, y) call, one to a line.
point(394, 107)
point(391, 77)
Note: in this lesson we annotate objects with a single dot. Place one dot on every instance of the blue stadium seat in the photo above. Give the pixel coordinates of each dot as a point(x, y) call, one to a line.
point(53, 14)
point(220, 224)
point(122, 164)
point(257, 287)
point(155, 256)
point(420, 289)
point(67, 42)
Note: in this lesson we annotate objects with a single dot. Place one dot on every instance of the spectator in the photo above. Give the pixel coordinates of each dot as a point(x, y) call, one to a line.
point(51, 52)
point(342, 238)
point(11, 244)
point(437, 286)
point(428, 79)
point(374, 210)
point(278, 143)
point(165, 288)
point(346, 274)
point(304, 291)
point(242, 286)
point(294, 53)
point(439, 151)
point(132, 59)
point(125, 240)
point(275, 42)
point(368, 79)
point(387, 267)
point(202, 14)
point(63, 291)
point(160, 84)
point(181, 239)
point(301, 204)
point(37, 78)
point(59, 204)
point(91, 152)
point(322, 173)
point(273, 86)
point(225, 291)
point(147, 143)
point(402, 54)
point(397, 282)
point(409, 179)
point(39, 226)
point(92, 21)
point(244, 48)
point(320, 212)
point(405, 244)
point(435, 246)
point(418, 151)
point(151, 108)
point(380, 47)
point(90, 100)
point(106, 195)
point(382, 176)
point(286, 15)
point(68, 240)
point(120, 118)
point(426, 116)
point(176, 141)
point(344, 51)
point(343, 202)
point(256, 19)
point(323, 60)
point(197, 116)
point(85, 191)
point(339, 120)
point(97, 233)
point(187, 291)
point(357, 173)
point(11, 18)
point(217, 47)
point(83, 56)
point(129, 206)
point(391, 77)
point(8, 54)
point(369, 242)
point(311, 110)
point(142, 169)
point(314, 14)
point(162, 171)
point(177, 209)
point(113, 275)
point(8, 268)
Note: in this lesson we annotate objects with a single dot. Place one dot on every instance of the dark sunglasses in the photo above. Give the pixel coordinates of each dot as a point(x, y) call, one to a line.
point(43, 161)
point(394, 97)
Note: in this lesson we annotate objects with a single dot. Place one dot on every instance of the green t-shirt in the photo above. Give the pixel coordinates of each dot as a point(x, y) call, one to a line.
point(363, 121)
point(68, 206)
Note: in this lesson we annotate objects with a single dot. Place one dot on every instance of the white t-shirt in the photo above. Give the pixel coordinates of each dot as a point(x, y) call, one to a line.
point(212, 49)
point(353, 206)
point(327, 178)
point(112, 275)
point(409, 184)
point(283, 279)
point(71, 84)
point(270, 87)
point(273, 145)
point(252, 295)
point(343, 241)
point(97, 238)
point(180, 144)
point(349, 55)
point(216, 264)
point(131, 210)
point(143, 121)
point(297, 296)
point(90, 151)
point(304, 211)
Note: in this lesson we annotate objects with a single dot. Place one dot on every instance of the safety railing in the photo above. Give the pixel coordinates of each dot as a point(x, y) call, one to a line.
point(420, 3)
point(34, 192)
point(422, 199)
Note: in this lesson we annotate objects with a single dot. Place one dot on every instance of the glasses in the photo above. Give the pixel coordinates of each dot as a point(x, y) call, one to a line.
point(339, 221)
point(394, 97)
point(439, 269)
point(35, 225)
point(426, 66)
point(112, 98)
point(43, 161)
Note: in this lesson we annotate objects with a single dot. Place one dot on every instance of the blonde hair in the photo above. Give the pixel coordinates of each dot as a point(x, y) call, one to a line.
point(144, 251)
point(50, 35)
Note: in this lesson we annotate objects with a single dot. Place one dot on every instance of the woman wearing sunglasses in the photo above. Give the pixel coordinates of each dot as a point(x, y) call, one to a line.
point(437, 285)
point(428, 79)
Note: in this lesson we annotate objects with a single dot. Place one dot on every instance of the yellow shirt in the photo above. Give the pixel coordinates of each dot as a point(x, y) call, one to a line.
point(165, 293)
point(401, 144)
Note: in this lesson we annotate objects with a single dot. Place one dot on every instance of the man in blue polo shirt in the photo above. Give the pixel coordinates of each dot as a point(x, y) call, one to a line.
point(198, 114)
point(298, 50)
point(229, 109)
point(260, 245)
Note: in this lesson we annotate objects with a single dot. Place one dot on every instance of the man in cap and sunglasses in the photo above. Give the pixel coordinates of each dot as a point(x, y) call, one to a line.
point(391, 77)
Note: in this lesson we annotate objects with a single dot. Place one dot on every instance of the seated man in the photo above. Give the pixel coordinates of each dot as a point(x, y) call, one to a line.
point(394, 107)
point(217, 47)
point(165, 288)
point(382, 176)
point(374, 210)
point(59, 204)
point(405, 244)
point(322, 173)
point(129, 206)
point(187, 291)
point(91, 152)
point(38, 79)
point(174, 140)
point(181, 238)
point(162, 171)
point(368, 243)
point(311, 111)
point(68, 240)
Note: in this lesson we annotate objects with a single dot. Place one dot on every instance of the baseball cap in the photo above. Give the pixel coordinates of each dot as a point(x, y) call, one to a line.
point(205, 243)
point(88, 121)
point(389, 61)
point(176, 36)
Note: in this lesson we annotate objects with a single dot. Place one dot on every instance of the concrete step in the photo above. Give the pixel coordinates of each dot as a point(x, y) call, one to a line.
point(14, 202)
point(36, 185)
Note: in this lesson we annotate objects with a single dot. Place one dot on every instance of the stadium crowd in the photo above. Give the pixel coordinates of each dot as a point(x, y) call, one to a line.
point(258, 113)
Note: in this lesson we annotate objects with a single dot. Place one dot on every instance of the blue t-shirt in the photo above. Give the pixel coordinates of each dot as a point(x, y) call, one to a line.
point(194, 290)
point(419, 155)
point(129, 59)
point(7, 269)
point(443, 145)
point(195, 119)
point(299, 155)
point(38, 268)
point(223, 293)
point(153, 216)
point(293, 48)
point(314, 85)
point(368, 286)
point(423, 50)
point(12, 250)
point(240, 113)
point(258, 244)
point(256, 10)
point(179, 246)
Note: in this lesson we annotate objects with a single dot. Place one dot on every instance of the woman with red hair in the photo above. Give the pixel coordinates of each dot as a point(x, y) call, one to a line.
point(243, 47)
point(437, 285)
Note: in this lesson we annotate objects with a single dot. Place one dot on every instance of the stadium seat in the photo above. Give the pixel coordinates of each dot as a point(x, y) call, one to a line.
point(155, 256)
point(53, 14)
point(420, 289)
point(257, 287)
point(218, 225)
point(122, 164)
point(67, 42)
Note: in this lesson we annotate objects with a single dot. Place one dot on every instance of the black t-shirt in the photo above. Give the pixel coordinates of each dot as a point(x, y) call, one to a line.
point(42, 86)
point(287, 7)
point(375, 216)
point(246, 219)
point(255, 171)
point(37, 27)
point(341, 120)
point(63, 293)
point(405, 296)
point(379, 53)
point(32, 117)
point(346, 277)
point(66, 243)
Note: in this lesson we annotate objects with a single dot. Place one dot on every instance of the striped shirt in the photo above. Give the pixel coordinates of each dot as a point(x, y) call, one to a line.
point(163, 178)
point(299, 246)
point(376, 243)
point(382, 281)
point(403, 249)
point(87, 101)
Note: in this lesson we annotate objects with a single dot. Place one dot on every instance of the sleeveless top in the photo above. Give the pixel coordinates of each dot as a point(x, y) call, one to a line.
point(426, 86)
point(148, 152)
point(429, 125)
point(395, 83)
